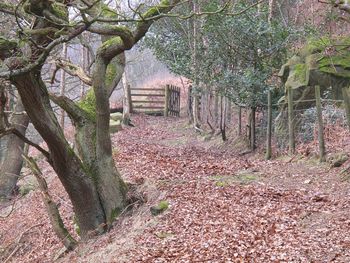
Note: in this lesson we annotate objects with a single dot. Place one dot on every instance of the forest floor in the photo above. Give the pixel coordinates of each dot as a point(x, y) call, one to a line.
point(223, 206)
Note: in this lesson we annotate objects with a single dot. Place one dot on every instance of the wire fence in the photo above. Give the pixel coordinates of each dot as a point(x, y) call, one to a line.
point(307, 121)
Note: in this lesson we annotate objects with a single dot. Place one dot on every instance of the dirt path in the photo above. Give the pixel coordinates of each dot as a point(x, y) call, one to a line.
point(222, 207)
point(225, 208)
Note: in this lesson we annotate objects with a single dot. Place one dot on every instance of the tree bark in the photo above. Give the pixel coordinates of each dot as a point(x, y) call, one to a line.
point(195, 71)
point(223, 118)
point(228, 111)
point(196, 118)
point(111, 188)
point(11, 167)
point(216, 108)
point(77, 180)
point(63, 84)
point(127, 105)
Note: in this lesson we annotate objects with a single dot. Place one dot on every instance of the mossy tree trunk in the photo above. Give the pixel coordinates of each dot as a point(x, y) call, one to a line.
point(72, 172)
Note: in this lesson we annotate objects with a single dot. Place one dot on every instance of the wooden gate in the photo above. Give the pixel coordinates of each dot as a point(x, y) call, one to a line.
point(156, 101)
point(173, 102)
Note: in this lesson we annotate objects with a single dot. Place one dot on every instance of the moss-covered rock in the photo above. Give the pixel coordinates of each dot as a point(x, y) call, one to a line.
point(160, 208)
point(324, 62)
point(117, 116)
point(115, 126)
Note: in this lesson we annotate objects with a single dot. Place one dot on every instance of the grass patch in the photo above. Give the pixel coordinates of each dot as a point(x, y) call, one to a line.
point(240, 179)
point(164, 235)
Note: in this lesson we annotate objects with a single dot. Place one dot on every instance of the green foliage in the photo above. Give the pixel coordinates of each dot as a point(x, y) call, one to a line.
point(236, 54)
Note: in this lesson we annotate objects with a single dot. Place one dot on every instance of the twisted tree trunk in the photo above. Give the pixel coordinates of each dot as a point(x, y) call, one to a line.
point(76, 178)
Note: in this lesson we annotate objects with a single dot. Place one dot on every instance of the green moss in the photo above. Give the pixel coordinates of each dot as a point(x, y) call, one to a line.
point(111, 72)
point(26, 189)
point(60, 10)
point(88, 104)
point(297, 76)
point(6, 44)
point(115, 213)
point(156, 10)
point(112, 41)
point(160, 208)
point(300, 72)
point(71, 151)
point(317, 45)
point(221, 184)
point(41, 31)
point(320, 45)
point(108, 12)
point(163, 205)
point(336, 65)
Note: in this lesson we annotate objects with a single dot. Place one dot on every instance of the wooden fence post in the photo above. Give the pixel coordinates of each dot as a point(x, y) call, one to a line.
point(189, 104)
point(320, 124)
point(239, 120)
point(253, 128)
point(166, 102)
point(346, 98)
point(269, 126)
point(128, 94)
point(291, 121)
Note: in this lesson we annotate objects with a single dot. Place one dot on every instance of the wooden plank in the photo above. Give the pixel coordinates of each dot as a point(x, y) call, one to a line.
point(148, 107)
point(148, 101)
point(153, 112)
point(148, 95)
point(140, 89)
point(166, 103)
